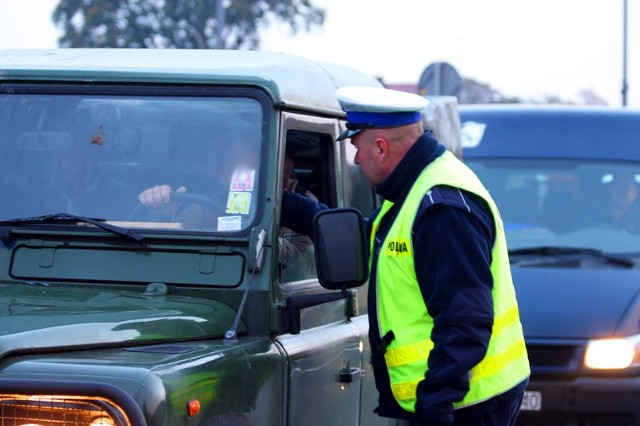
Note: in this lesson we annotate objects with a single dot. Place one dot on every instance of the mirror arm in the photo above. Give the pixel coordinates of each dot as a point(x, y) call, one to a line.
point(290, 313)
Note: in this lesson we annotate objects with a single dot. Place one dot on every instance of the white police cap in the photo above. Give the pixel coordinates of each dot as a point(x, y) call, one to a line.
point(369, 107)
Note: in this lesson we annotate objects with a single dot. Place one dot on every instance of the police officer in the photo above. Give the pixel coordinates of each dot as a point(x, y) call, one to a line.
point(444, 327)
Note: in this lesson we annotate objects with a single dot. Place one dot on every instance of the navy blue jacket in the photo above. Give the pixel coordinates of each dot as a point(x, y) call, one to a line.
point(453, 236)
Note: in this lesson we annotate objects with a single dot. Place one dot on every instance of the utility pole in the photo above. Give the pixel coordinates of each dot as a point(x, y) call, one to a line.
point(220, 23)
point(624, 53)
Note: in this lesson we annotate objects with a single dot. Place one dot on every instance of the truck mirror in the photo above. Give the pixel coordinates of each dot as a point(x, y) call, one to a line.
point(341, 248)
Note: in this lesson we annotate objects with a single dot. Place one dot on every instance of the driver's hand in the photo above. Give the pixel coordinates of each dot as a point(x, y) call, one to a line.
point(156, 196)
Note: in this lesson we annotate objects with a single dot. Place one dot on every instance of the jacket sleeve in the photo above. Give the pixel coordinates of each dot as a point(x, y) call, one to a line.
point(298, 212)
point(452, 249)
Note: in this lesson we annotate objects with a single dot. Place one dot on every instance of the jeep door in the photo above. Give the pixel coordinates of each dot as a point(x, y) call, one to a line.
point(325, 357)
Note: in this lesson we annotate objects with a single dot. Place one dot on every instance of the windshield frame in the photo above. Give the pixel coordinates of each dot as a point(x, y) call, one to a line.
point(154, 92)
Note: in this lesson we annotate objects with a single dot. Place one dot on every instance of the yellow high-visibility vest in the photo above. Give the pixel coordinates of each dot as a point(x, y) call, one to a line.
point(401, 308)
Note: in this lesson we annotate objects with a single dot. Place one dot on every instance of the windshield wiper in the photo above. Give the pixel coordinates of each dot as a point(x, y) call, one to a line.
point(70, 218)
point(567, 251)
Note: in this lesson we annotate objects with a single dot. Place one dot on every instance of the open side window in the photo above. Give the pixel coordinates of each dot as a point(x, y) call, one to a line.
point(308, 168)
point(322, 169)
point(308, 165)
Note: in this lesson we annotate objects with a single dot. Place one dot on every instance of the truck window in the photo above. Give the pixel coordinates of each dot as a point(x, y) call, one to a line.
point(308, 164)
point(313, 154)
point(93, 154)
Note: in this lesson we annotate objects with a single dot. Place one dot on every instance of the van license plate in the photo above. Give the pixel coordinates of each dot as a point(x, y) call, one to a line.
point(532, 401)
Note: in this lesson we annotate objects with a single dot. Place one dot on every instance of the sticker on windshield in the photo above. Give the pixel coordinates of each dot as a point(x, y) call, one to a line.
point(472, 133)
point(239, 202)
point(242, 180)
point(229, 223)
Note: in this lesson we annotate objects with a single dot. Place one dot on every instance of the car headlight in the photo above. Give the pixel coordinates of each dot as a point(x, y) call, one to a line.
point(49, 410)
point(613, 353)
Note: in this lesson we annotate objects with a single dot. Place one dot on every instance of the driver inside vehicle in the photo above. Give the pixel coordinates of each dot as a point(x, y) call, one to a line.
point(623, 196)
point(233, 171)
point(296, 251)
point(69, 178)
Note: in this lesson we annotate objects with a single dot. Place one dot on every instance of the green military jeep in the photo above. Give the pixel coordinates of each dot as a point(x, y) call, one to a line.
point(198, 309)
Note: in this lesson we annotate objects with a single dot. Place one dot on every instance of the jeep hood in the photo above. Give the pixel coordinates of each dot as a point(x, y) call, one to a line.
point(45, 318)
point(574, 303)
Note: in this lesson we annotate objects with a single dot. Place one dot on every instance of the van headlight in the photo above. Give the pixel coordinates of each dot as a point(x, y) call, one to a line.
point(613, 353)
point(49, 410)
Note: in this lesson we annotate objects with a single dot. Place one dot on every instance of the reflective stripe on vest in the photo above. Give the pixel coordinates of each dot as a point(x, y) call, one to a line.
point(401, 307)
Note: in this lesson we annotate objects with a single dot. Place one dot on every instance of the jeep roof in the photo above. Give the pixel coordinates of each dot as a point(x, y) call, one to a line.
point(291, 81)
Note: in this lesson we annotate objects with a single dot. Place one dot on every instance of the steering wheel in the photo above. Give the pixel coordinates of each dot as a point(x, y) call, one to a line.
point(215, 202)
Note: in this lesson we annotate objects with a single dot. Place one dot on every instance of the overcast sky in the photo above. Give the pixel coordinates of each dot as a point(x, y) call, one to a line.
point(524, 48)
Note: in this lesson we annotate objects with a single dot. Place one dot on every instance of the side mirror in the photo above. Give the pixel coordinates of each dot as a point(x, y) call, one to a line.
point(341, 248)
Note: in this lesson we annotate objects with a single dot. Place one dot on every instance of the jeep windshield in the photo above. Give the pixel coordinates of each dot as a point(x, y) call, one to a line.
point(576, 204)
point(93, 152)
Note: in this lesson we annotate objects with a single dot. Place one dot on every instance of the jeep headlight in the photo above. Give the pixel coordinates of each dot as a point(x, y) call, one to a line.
point(50, 410)
point(613, 354)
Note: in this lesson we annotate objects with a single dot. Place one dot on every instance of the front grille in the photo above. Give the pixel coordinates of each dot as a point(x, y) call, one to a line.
point(48, 410)
point(553, 356)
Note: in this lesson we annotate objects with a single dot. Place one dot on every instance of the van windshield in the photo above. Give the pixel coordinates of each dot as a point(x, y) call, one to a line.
point(168, 162)
point(565, 203)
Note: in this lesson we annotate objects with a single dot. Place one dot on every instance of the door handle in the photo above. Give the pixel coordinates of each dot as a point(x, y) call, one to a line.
point(350, 375)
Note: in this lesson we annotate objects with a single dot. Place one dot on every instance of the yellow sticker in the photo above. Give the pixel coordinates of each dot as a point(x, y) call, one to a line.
point(239, 202)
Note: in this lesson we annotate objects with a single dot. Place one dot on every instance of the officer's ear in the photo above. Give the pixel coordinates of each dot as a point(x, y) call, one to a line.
point(381, 149)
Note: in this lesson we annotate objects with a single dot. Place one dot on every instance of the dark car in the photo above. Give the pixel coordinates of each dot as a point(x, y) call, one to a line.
point(566, 180)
